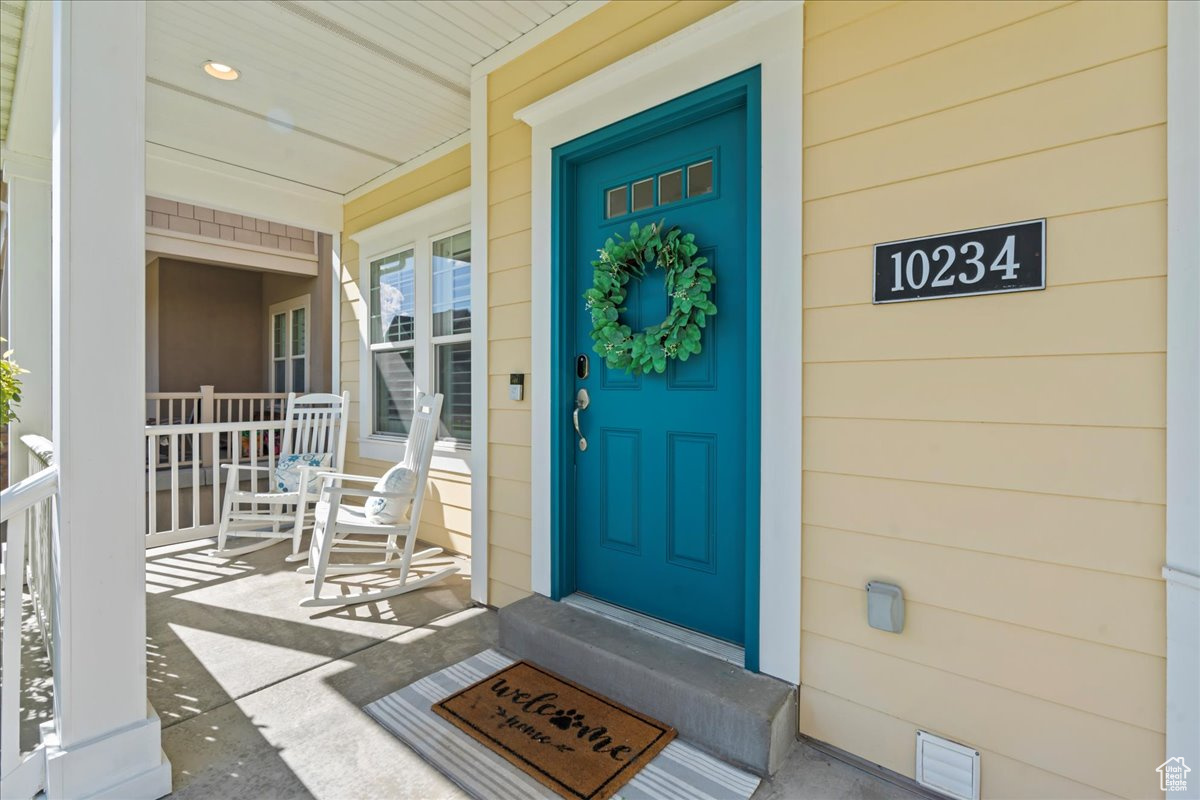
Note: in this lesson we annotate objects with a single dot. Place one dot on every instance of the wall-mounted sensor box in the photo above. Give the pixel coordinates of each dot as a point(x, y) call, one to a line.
point(885, 607)
point(516, 386)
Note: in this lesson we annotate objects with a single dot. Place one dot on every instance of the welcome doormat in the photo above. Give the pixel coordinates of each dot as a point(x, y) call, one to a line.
point(679, 772)
point(579, 743)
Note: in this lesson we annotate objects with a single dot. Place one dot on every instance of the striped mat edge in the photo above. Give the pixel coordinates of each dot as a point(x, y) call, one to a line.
point(679, 772)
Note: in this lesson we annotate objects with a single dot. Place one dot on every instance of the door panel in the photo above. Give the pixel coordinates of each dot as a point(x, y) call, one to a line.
point(660, 492)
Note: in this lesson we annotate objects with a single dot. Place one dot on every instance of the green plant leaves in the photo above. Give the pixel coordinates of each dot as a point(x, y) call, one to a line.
point(688, 282)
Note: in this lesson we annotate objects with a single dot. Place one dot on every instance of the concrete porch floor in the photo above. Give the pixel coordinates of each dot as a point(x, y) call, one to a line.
point(260, 698)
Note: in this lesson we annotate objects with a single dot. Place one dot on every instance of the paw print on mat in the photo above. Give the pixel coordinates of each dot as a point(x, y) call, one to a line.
point(564, 719)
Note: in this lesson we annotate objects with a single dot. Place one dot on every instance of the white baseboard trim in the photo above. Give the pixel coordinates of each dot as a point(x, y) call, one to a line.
point(128, 763)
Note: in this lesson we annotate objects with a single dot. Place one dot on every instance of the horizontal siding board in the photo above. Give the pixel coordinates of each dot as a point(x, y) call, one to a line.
point(510, 497)
point(507, 147)
point(891, 742)
point(508, 566)
point(509, 532)
point(1049, 46)
point(1107, 99)
point(1114, 171)
point(512, 462)
point(510, 252)
point(501, 594)
point(1111, 244)
point(1109, 463)
point(821, 18)
point(508, 356)
point(511, 180)
point(510, 321)
point(509, 427)
point(1099, 390)
point(509, 286)
point(904, 31)
point(1083, 747)
point(1100, 318)
point(1117, 537)
point(510, 216)
point(1045, 666)
point(1115, 610)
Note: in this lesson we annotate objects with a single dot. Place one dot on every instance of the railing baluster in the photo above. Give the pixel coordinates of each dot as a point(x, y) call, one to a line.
point(152, 484)
point(195, 480)
point(174, 451)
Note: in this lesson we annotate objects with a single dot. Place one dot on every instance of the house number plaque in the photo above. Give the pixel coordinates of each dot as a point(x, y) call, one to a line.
point(1003, 258)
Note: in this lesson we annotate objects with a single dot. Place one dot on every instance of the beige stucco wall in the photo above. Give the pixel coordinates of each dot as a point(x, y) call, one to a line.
point(1002, 457)
point(210, 328)
point(446, 516)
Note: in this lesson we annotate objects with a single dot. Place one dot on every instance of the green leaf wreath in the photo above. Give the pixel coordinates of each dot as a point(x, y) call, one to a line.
point(689, 282)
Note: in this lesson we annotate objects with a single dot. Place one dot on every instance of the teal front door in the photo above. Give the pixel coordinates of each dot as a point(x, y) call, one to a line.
point(663, 512)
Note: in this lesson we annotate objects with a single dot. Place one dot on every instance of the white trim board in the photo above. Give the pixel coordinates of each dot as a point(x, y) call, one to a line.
point(1182, 570)
point(736, 38)
point(479, 339)
point(527, 41)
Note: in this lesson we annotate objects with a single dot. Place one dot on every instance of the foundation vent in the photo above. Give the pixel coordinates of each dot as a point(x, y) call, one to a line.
point(947, 767)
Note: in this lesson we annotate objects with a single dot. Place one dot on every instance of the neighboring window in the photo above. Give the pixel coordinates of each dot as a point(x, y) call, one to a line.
point(288, 348)
point(420, 334)
point(393, 328)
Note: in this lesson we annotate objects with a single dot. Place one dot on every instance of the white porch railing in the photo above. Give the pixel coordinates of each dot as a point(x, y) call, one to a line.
point(29, 509)
point(207, 405)
point(183, 480)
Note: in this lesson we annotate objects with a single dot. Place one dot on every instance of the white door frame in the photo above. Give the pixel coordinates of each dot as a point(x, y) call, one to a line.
point(286, 307)
point(744, 35)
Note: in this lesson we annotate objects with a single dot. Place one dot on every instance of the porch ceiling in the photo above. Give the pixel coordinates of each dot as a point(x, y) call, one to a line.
point(331, 94)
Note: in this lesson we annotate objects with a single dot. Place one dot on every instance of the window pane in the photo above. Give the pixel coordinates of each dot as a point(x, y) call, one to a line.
point(452, 285)
point(700, 178)
point(297, 374)
point(280, 379)
point(393, 284)
point(670, 187)
point(278, 337)
point(394, 391)
point(454, 382)
point(298, 323)
point(643, 194)
point(616, 202)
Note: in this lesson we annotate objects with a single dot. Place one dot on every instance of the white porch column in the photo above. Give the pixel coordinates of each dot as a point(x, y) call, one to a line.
point(106, 740)
point(28, 312)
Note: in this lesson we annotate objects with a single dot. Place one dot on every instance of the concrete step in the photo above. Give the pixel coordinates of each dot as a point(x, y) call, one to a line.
point(746, 719)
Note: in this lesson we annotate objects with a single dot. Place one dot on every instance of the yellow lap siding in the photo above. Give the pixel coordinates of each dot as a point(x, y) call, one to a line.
point(1097, 390)
point(821, 18)
point(981, 66)
point(1060, 669)
point(1111, 244)
point(1083, 747)
point(903, 31)
point(1101, 101)
point(892, 742)
point(1107, 463)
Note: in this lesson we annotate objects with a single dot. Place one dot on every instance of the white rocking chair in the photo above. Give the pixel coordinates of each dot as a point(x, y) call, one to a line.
point(315, 425)
point(336, 523)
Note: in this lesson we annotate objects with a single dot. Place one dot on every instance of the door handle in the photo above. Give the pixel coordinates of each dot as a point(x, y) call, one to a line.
point(581, 402)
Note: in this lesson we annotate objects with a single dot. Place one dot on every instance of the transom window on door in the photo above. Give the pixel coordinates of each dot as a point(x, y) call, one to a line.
point(420, 334)
point(686, 181)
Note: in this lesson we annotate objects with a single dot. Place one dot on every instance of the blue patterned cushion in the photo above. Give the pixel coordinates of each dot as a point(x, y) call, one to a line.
point(397, 480)
point(287, 471)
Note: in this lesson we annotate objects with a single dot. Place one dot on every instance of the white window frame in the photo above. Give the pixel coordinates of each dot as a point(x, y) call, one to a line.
point(416, 230)
point(286, 307)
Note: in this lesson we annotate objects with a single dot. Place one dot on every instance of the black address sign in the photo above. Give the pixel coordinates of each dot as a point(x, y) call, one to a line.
point(1003, 258)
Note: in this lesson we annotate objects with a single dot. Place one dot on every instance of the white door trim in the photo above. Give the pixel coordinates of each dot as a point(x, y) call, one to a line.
point(742, 36)
point(1182, 570)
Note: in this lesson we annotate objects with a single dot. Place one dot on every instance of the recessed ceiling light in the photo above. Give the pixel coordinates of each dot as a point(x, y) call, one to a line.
point(222, 72)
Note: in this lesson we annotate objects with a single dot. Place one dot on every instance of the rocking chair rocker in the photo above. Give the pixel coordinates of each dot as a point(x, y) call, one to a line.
point(392, 509)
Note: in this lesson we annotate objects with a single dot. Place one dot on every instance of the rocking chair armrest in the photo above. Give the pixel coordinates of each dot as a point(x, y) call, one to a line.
point(336, 493)
point(344, 476)
point(245, 467)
